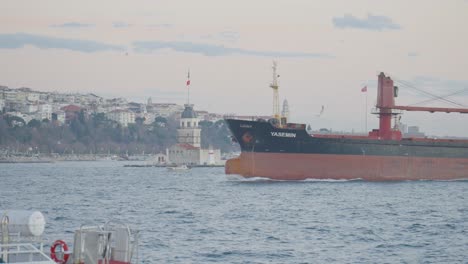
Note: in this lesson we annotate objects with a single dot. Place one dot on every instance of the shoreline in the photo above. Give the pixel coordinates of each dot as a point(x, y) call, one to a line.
point(170, 166)
point(138, 161)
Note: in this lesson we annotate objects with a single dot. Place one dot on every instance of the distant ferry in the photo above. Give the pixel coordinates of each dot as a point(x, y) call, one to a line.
point(179, 168)
point(279, 150)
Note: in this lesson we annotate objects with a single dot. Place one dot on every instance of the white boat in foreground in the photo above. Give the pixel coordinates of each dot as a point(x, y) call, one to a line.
point(21, 242)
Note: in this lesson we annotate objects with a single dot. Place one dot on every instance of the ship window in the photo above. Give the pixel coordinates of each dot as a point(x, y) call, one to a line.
point(188, 124)
point(182, 124)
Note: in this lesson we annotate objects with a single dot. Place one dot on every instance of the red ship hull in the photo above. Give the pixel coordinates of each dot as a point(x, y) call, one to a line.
point(294, 166)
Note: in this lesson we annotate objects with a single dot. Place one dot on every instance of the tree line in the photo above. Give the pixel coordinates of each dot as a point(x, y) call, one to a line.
point(96, 134)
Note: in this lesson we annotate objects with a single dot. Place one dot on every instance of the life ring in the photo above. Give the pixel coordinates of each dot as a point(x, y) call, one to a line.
point(64, 251)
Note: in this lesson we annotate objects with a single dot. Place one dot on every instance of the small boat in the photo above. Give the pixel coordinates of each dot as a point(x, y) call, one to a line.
point(21, 242)
point(179, 168)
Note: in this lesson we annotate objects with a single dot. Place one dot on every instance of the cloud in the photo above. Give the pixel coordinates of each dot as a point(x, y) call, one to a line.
point(73, 25)
point(19, 40)
point(376, 23)
point(228, 36)
point(120, 24)
point(217, 50)
point(166, 25)
point(441, 84)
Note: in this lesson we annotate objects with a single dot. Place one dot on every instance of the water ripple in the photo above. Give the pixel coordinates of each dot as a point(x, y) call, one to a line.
point(206, 217)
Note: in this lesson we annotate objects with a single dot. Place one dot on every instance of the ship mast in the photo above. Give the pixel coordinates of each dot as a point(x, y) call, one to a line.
point(274, 85)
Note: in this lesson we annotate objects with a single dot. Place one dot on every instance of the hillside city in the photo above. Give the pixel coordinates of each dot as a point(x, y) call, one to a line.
point(28, 104)
point(35, 122)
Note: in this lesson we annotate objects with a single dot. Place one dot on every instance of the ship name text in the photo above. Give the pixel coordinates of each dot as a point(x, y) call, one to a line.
point(283, 134)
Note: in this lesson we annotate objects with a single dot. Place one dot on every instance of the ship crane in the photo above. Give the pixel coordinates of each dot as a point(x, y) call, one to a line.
point(274, 85)
point(386, 93)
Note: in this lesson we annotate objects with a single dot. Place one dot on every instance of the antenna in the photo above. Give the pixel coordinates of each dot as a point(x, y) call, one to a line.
point(274, 86)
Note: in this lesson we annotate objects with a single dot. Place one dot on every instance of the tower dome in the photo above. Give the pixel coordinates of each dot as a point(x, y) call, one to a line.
point(188, 112)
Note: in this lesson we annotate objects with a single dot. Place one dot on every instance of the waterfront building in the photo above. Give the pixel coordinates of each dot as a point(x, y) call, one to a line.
point(188, 151)
point(160, 159)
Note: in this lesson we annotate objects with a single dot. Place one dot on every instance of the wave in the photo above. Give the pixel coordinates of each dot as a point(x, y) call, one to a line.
point(265, 179)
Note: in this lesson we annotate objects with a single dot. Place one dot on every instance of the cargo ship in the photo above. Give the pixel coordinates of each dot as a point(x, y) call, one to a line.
point(279, 150)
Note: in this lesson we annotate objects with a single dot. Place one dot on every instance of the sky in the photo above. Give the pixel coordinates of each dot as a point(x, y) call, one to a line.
point(326, 52)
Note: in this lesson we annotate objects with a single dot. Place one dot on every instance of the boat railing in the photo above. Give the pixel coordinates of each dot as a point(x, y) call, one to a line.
point(125, 241)
point(8, 237)
point(23, 253)
point(113, 242)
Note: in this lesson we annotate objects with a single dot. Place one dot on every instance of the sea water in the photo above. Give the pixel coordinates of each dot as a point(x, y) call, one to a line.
point(203, 216)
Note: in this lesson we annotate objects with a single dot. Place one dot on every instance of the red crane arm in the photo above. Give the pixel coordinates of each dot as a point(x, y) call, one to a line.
point(431, 109)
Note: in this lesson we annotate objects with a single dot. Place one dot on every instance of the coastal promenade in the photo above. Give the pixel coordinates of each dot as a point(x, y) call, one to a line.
point(51, 158)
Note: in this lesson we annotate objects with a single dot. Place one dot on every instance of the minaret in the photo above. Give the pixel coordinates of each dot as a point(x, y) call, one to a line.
point(285, 112)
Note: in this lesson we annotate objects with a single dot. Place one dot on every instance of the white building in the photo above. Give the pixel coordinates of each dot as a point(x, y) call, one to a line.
point(164, 110)
point(189, 132)
point(91, 99)
point(188, 151)
point(29, 108)
point(44, 112)
point(160, 159)
point(149, 118)
point(46, 108)
point(61, 116)
point(33, 97)
point(10, 96)
point(123, 117)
